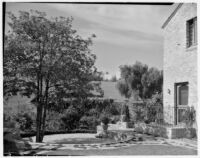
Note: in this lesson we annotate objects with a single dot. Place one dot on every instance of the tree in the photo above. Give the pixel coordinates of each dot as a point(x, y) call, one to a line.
point(152, 82)
point(114, 78)
point(46, 58)
point(123, 88)
point(139, 79)
point(98, 76)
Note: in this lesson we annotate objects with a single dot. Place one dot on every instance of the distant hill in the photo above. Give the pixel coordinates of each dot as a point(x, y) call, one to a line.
point(18, 103)
point(111, 91)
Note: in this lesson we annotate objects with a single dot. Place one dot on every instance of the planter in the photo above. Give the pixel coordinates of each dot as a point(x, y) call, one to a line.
point(190, 133)
point(104, 126)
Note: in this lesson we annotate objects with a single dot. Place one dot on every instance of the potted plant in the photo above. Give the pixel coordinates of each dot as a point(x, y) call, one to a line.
point(189, 120)
point(104, 122)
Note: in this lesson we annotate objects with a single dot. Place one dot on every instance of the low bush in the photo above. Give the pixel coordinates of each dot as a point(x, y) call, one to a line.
point(139, 129)
point(115, 119)
point(104, 119)
point(22, 120)
point(89, 122)
point(154, 130)
point(71, 118)
point(155, 108)
point(146, 130)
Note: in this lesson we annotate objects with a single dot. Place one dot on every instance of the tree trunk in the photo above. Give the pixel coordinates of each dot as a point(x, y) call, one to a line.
point(40, 100)
point(45, 108)
point(41, 110)
point(38, 112)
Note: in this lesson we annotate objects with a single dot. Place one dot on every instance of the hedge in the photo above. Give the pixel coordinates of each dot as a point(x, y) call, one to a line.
point(33, 133)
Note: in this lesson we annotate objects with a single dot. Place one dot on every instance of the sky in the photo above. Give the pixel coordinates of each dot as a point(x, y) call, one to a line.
point(124, 33)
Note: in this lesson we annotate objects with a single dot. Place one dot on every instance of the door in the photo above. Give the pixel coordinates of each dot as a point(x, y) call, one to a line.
point(181, 101)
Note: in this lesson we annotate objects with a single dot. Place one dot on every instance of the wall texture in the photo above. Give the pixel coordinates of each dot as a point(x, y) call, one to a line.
point(180, 62)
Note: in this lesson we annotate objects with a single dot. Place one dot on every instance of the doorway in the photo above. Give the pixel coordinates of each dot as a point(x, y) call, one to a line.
point(181, 101)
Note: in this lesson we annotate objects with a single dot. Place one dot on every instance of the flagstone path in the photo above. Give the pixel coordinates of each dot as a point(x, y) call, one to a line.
point(44, 148)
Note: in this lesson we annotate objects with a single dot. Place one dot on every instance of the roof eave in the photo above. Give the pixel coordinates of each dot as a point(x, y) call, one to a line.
point(172, 15)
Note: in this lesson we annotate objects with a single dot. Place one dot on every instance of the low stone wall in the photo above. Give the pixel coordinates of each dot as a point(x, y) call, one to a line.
point(179, 132)
point(173, 132)
point(119, 125)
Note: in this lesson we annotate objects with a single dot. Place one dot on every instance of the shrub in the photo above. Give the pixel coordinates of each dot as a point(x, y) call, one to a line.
point(139, 129)
point(189, 119)
point(88, 122)
point(115, 119)
point(104, 119)
point(9, 121)
point(125, 111)
point(151, 130)
point(54, 124)
point(140, 113)
point(22, 120)
point(28, 121)
point(189, 116)
point(92, 112)
point(112, 109)
point(157, 130)
point(146, 130)
point(155, 108)
point(71, 118)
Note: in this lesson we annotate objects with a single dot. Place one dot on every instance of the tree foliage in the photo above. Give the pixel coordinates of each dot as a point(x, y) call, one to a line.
point(46, 58)
point(139, 79)
point(155, 108)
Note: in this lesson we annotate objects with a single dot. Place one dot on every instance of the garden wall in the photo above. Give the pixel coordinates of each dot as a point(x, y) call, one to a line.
point(164, 131)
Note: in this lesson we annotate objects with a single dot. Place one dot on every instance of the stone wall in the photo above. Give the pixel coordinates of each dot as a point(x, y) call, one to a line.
point(180, 62)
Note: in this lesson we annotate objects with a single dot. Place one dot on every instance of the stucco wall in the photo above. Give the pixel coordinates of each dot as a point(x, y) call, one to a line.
point(180, 62)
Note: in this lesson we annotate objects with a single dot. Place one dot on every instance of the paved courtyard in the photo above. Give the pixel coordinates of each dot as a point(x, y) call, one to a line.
point(158, 146)
point(131, 150)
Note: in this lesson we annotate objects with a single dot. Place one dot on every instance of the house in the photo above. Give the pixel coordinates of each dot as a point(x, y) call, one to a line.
point(180, 62)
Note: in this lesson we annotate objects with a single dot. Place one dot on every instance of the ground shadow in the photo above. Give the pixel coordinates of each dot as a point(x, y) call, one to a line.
point(14, 145)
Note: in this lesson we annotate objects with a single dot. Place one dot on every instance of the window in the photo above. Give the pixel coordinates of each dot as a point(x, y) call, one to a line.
point(182, 94)
point(191, 32)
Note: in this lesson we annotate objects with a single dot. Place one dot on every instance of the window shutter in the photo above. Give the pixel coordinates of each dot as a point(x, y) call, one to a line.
point(195, 30)
point(187, 34)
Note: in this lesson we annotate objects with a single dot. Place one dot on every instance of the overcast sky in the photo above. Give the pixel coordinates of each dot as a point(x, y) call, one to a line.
point(125, 33)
